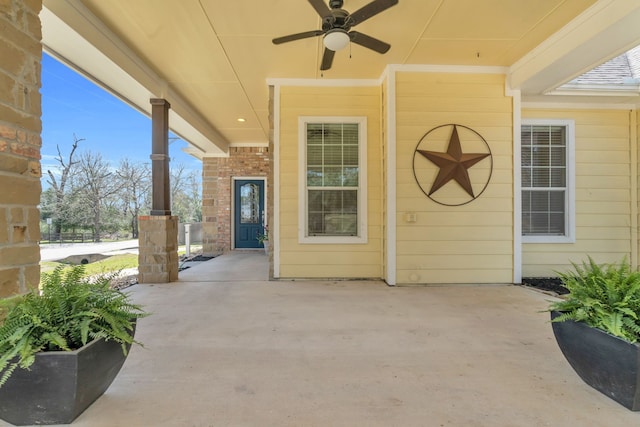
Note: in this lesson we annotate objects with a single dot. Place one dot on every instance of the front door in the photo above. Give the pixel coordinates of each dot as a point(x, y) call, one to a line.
point(249, 213)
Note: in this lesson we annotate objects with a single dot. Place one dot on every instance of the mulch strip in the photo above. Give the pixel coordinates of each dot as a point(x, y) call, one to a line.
point(549, 284)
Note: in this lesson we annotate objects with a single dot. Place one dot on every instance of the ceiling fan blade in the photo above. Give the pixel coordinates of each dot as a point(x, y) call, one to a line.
point(369, 10)
point(327, 59)
point(369, 42)
point(298, 36)
point(321, 7)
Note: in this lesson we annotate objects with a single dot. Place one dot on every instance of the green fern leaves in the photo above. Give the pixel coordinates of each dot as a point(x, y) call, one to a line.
point(604, 296)
point(70, 311)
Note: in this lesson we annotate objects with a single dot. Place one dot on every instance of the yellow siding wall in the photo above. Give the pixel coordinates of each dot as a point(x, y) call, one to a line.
point(603, 193)
point(472, 243)
point(322, 260)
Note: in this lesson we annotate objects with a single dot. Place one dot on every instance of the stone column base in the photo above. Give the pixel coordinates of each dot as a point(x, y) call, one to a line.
point(158, 252)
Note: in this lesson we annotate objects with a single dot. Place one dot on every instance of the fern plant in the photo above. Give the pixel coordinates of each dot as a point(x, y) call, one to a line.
point(69, 311)
point(6, 304)
point(604, 296)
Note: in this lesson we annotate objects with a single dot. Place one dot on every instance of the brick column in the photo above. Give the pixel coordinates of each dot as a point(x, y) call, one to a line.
point(20, 127)
point(210, 207)
point(158, 252)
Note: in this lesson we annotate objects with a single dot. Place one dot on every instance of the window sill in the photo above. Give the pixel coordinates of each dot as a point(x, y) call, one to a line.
point(548, 239)
point(333, 240)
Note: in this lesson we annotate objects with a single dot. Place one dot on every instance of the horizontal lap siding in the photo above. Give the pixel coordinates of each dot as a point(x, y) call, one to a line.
point(321, 260)
point(603, 193)
point(455, 244)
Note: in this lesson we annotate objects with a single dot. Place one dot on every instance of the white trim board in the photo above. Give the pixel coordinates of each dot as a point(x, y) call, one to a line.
point(391, 184)
point(275, 244)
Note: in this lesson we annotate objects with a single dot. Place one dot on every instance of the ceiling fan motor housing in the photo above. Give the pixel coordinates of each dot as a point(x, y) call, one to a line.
point(337, 19)
point(336, 28)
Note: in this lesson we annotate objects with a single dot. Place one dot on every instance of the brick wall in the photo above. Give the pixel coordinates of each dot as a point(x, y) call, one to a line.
point(217, 178)
point(20, 128)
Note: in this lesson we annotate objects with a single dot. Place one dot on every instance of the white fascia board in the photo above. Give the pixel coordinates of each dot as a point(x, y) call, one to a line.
point(457, 69)
point(281, 82)
point(573, 104)
point(389, 69)
point(605, 30)
point(193, 151)
point(76, 37)
point(186, 130)
point(597, 90)
point(257, 144)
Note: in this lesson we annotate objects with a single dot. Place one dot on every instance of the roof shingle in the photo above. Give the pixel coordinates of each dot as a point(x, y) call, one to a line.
point(620, 70)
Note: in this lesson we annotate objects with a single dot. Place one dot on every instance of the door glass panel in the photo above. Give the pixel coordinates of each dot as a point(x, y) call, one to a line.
point(249, 204)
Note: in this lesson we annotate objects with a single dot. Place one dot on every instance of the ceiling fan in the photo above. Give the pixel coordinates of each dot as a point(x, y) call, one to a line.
point(336, 28)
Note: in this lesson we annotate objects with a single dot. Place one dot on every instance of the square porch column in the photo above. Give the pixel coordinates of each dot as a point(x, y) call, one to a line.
point(158, 232)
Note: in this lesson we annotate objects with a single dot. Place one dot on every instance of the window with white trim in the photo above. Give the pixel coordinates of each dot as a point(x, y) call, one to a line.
point(547, 180)
point(333, 154)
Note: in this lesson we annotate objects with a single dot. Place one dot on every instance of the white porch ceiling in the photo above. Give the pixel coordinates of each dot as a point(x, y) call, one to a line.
point(211, 58)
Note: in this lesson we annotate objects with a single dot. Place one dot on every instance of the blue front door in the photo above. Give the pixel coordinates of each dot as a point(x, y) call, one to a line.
point(249, 213)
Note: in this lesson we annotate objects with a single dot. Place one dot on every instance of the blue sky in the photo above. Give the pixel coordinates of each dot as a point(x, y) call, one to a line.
point(72, 105)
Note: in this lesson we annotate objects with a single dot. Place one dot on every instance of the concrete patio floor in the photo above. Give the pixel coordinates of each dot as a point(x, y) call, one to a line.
point(226, 347)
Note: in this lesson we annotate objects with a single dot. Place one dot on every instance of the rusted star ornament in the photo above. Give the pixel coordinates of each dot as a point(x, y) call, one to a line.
point(453, 164)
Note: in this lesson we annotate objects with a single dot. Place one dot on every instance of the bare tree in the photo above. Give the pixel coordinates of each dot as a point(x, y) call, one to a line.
point(186, 202)
point(60, 185)
point(194, 194)
point(178, 175)
point(135, 191)
point(97, 184)
point(88, 193)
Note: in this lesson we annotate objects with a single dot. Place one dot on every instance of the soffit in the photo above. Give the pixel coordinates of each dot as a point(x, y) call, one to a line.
point(217, 55)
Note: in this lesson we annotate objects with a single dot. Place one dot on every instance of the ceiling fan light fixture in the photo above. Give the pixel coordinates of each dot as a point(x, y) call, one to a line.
point(336, 39)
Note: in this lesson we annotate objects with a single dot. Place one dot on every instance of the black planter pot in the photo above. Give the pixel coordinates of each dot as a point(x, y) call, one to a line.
point(60, 385)
point(607, 363)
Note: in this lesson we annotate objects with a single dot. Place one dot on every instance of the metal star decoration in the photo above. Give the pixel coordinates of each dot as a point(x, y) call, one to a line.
point(454, 164)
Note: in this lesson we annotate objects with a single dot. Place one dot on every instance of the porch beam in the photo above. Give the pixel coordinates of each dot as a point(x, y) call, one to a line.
point(75, 36)
point(604, 31)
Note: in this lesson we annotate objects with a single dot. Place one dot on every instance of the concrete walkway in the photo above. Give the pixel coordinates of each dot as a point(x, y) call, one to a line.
point(225, 347)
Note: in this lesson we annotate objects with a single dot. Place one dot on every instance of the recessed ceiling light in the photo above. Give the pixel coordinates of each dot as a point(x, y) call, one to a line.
point(241, 120)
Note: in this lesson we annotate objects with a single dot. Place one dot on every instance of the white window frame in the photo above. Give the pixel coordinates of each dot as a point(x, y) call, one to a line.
point(303, 204)
point(570, 202)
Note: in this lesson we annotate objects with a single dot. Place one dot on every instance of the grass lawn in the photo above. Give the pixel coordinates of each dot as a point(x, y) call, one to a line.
point(113, 263)
point(107, 265)
point(182, 250)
